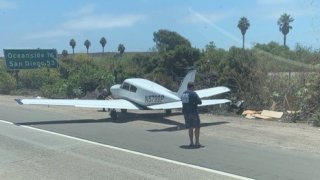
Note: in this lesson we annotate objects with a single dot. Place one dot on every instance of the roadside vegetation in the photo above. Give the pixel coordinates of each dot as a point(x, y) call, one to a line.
point(267, 76)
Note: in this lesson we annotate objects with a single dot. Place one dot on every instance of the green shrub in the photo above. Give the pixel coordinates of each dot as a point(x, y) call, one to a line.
point(56, 90)
point(36, 78)
point(316, 121)
point(7, 83)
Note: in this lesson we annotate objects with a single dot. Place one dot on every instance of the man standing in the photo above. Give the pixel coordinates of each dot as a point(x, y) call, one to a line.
point(190, 101)
point(103, 96)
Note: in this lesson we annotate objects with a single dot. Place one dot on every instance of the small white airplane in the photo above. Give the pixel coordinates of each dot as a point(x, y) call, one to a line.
point(137, 93)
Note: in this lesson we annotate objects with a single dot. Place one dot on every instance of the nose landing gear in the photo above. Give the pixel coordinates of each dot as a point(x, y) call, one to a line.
point(168, 112)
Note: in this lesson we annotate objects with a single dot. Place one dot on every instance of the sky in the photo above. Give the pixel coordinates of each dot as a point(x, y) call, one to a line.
point(47, 24)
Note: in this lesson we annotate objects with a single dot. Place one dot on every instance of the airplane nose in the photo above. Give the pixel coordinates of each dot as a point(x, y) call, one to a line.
point(114, 90)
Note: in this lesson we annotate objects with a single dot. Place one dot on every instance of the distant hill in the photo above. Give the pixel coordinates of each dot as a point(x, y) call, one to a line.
point(274, 63)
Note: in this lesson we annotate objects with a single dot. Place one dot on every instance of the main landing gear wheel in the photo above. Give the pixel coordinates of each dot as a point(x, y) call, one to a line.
point(113, 114)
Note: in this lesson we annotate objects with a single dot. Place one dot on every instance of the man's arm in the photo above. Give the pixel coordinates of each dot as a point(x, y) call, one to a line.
point(197, 98)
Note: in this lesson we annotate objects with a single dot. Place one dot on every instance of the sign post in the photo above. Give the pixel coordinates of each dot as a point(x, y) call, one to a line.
point(30, 58)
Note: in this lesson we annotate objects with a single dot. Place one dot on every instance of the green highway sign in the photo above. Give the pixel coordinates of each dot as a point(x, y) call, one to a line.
point(30, 58)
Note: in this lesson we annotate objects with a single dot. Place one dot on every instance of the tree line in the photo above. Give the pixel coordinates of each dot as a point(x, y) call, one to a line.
point(243, 24)
point(283, 23)
point(87, 44)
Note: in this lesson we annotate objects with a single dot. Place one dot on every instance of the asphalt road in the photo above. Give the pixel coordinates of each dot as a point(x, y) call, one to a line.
point(35, 154)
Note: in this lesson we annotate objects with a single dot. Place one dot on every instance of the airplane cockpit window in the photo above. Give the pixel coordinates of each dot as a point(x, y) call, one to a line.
point(125, 86)
point(133, 88)
point(128, 87)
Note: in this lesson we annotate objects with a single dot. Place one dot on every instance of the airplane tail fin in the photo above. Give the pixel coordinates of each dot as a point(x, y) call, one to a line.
point(188, 78)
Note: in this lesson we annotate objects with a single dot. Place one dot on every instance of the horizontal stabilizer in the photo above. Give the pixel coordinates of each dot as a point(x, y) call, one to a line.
point(178, 104)
point(212, 91)
point(209, 102)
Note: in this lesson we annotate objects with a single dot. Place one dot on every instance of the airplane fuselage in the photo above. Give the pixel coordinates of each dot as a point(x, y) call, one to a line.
point(143, 92)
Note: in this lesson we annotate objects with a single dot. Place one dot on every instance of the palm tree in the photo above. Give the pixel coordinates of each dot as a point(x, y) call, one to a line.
point(121, 48)
point(243, 25)
point(103, 42)
point(72, 43)
point(284, 25)
point(87, 44)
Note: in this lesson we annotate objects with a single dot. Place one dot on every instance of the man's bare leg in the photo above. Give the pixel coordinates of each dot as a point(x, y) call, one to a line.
point(197, 134)
point(191, 135)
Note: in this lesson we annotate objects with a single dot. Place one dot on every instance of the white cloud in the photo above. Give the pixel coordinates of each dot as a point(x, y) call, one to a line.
point(103, 22)
point(84, 19)
point(7, 4)
point(85, 10)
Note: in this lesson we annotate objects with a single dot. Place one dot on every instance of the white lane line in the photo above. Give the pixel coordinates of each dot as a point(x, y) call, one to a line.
point(134, 152)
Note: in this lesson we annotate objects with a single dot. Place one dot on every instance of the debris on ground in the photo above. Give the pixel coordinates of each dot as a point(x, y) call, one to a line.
point(272, 114)
point(264, 114)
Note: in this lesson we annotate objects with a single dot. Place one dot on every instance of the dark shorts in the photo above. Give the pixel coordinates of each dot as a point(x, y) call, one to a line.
point(192, 120)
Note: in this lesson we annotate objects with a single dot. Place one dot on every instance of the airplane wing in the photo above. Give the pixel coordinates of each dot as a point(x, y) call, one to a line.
point(178, 104)
point(112, 103)
point(212, 91)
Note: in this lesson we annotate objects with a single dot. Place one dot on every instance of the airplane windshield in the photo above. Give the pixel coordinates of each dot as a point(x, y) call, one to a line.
point(128, 87)
point(125, 86)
